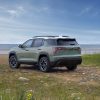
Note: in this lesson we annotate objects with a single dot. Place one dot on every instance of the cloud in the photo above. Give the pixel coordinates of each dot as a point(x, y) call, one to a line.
point(85, 11)
point(16, 11)
point(93, 32)
point(39, 9)
point(96, 13)
point(90, 10)
point(12, 38)
point(21, 22)
point(13, 12)
point(19, 34)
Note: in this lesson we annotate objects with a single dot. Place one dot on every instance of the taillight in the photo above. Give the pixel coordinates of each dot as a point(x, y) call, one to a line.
point(79, 50)
point(59, 49)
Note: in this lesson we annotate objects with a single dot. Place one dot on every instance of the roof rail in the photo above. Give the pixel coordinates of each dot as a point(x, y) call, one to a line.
point(50, 36)
point(46, 36)
point(65, 36)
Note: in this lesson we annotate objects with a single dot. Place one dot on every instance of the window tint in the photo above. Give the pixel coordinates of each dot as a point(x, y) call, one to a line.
point(55, 42)
point(66, 42)
point(51, 42)
point(28, 43)
point(38, 42)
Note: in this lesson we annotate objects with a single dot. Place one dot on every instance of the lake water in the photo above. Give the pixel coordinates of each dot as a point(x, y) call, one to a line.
point(86, 48)
point(90, 49)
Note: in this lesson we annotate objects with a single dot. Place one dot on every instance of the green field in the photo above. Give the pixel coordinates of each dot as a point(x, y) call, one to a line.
point(91, 60)
point(28, 83)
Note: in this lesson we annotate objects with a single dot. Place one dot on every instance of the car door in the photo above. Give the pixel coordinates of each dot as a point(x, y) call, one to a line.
point(26, 52)
point(37, 46)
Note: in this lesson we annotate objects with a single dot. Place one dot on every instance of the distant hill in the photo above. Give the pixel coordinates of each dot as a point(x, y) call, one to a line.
point(83, 46)
point(7, 46)
point(90, 46)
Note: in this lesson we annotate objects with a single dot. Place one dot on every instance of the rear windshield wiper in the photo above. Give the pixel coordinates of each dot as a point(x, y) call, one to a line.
point(72, 44)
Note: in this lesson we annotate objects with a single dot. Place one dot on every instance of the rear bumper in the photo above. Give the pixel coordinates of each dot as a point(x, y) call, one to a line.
point(67, 61)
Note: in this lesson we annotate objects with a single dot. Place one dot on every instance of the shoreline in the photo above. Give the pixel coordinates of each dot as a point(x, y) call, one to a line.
point(4, 51)
point(84, 51)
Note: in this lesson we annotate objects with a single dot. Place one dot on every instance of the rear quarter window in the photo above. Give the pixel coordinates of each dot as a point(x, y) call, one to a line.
point(51, 42)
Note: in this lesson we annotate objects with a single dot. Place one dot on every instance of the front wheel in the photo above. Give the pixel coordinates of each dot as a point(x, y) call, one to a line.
point(13, 63)
point(71, 67)
point(44, 64)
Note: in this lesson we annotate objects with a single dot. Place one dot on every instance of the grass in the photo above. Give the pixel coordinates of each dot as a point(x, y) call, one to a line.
point(46, 86)
point(91, 60)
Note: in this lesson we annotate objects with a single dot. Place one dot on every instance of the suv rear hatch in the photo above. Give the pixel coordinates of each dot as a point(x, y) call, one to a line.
point(66, 46)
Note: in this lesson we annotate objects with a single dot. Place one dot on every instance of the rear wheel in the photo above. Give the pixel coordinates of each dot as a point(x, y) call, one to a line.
point(44, 64)
point(13, 63)
point(71, 67)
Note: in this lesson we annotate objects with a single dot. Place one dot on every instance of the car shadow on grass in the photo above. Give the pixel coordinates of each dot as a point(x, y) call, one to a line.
point(52, 70)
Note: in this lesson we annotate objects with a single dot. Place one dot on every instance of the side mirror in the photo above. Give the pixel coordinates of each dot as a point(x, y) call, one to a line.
point(20, 46)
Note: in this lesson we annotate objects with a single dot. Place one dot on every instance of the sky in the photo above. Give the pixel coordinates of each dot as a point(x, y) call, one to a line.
point(22, 19)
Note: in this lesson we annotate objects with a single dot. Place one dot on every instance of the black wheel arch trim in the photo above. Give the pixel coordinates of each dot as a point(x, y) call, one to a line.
point(12, 53)
point(43, 54)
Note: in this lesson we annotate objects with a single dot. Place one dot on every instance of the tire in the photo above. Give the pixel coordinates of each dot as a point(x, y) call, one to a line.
point(13, 63)
point(44, 64)
point(71, 67)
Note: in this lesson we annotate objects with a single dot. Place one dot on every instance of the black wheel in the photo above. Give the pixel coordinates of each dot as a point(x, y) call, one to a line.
point(71, 67)
point(13, 63)
point(44, 64)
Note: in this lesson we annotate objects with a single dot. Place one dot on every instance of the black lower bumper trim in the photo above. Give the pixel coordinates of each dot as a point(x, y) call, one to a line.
point(67, 61)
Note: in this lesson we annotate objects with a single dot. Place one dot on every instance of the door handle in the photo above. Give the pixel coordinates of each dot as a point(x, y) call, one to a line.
point(39, 49)
point(26, 50)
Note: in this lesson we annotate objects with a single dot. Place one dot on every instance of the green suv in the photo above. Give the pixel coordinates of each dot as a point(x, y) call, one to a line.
point(46, 52)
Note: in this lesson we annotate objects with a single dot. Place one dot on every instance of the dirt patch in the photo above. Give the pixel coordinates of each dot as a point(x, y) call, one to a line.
point(82, 75)
point(3, 59)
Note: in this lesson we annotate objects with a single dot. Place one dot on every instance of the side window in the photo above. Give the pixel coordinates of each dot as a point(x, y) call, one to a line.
point(38, 43)
point(28, 43)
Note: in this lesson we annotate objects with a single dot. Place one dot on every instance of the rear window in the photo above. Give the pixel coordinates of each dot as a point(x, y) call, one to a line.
point(61, 42)
point(66, 42)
